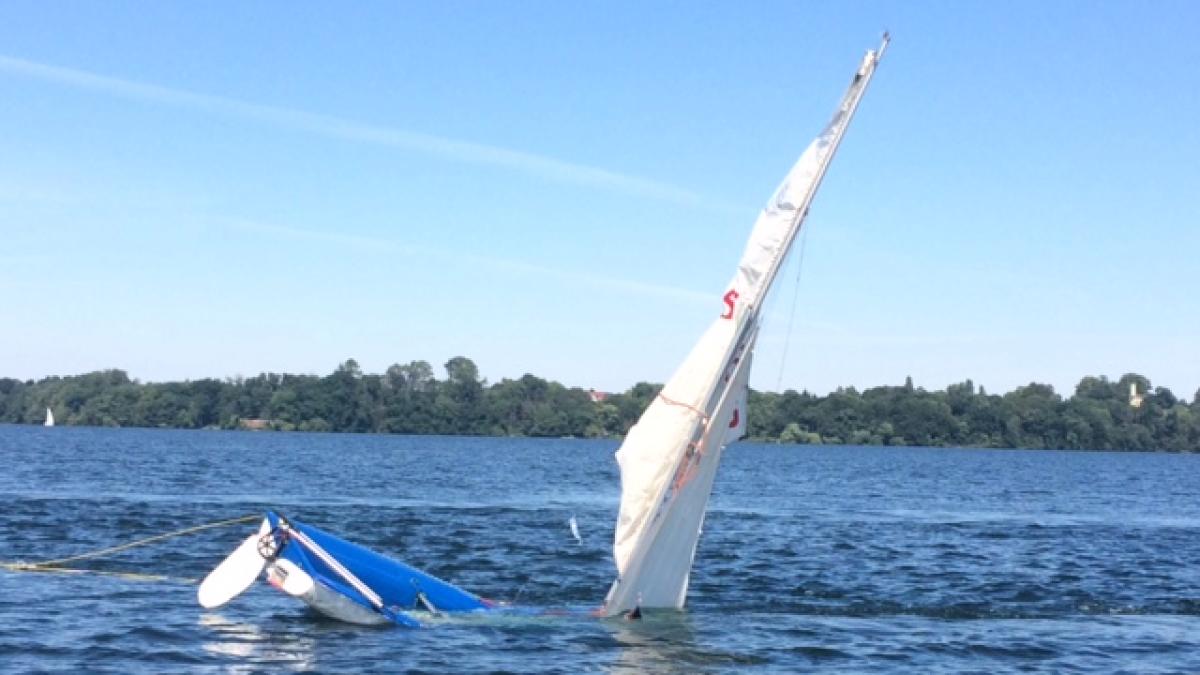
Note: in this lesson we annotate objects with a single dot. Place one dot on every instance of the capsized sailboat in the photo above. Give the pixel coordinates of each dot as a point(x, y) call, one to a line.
point(669, 459)
point(339, 579)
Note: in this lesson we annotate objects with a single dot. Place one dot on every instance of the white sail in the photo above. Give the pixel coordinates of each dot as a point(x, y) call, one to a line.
point(49, 418)
point(669, 458)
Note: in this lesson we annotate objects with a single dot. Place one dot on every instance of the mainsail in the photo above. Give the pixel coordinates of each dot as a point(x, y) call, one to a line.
point(669, 458)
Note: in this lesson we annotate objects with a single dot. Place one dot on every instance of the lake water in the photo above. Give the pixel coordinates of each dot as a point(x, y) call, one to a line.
point(813, 558)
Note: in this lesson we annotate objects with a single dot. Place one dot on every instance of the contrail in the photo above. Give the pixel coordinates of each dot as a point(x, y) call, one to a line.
point(349, 130)
point(496, 263)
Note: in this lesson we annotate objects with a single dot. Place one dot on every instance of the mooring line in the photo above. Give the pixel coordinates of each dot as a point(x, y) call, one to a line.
point(56, 564)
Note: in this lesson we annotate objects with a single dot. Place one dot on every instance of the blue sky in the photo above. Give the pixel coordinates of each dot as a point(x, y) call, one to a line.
point(214, 189)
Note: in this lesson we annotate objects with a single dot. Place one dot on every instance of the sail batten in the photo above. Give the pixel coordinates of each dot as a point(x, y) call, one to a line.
point(669, 459)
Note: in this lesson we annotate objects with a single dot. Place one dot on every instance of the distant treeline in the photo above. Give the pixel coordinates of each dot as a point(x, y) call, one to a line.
point(409, 399)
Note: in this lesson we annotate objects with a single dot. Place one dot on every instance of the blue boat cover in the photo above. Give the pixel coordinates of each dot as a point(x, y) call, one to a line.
point(394, 582)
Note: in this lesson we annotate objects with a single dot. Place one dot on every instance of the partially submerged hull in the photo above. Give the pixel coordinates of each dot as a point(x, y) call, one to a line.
point(335, 604)
point(335, 577)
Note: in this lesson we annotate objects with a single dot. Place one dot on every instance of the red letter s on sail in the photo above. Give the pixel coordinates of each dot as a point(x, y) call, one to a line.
point(730, 297)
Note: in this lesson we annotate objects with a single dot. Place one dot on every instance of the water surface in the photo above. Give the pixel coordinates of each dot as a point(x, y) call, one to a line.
point(813, 558)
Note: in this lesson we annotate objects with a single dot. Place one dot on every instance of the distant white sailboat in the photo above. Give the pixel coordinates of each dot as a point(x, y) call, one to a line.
point(49, 418)
point(669, 458)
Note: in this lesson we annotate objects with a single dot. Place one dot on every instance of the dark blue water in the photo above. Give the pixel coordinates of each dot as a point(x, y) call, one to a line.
point(813, 558)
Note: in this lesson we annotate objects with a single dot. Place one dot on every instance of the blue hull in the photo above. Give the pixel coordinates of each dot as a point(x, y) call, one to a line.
point(401, 588)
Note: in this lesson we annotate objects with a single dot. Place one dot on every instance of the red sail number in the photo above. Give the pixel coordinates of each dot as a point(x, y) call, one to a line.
point(730, 298)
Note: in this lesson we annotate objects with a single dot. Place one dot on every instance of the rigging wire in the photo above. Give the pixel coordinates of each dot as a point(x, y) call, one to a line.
point(787, 339)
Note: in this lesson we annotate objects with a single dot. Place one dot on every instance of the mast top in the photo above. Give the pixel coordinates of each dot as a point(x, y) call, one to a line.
point(883, 43)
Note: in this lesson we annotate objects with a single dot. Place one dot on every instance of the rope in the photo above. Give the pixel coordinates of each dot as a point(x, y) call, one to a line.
point(132, 576)
point(681, 404)
point(56, 564)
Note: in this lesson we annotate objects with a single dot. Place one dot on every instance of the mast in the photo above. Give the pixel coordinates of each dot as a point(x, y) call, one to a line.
point(847, 108)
